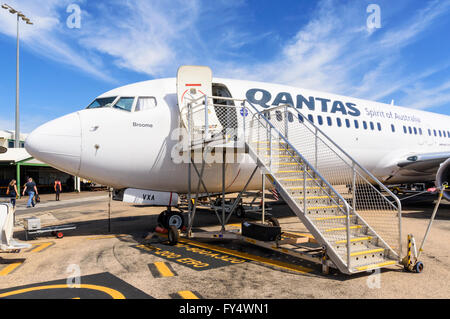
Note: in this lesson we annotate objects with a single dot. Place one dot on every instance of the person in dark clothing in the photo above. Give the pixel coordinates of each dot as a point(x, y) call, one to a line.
point(58, 188)
point(12, 192)
point(30, 188)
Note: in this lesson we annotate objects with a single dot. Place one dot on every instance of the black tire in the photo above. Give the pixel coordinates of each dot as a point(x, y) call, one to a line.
point(418, 267)
point(173, 235)
point(162, 219)
point(174, 219)
point(170, 218)
point(240, 212)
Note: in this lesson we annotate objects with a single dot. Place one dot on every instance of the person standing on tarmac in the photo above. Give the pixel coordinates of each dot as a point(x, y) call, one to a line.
point(30, 188)
point(58, 188)
point(12, 192)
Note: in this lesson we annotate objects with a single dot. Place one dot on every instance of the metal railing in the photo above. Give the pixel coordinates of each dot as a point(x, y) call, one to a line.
point(314, 155)
point(372, 203)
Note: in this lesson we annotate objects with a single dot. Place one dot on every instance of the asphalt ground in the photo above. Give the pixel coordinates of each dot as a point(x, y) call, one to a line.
point(105, 258)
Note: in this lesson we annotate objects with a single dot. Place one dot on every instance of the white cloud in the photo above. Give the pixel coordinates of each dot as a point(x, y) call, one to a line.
point(49, 36)
point(333, 52)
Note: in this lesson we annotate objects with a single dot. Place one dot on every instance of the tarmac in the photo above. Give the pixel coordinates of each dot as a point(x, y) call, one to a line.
point(109, 258)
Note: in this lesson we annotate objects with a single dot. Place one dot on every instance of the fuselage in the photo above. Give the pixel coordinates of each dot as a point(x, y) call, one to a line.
point(134, 148)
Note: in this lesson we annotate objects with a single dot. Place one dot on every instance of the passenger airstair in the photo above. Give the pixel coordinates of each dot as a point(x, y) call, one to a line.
point(348, 211)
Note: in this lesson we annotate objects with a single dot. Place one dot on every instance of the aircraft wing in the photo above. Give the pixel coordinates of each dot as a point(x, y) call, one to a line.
point(421, 164)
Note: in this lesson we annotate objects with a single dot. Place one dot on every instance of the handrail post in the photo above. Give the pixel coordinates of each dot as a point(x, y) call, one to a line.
point(304, 188)
point(286, 129)
point(270, 149)
point(354, 187)
point(206, 117)
point(263, 197)
point(315, 154)
point(348, 239)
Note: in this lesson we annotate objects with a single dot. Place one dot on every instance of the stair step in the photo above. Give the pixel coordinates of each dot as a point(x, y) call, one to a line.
point(324, 207)
point(352, 240)
point(332, 217)
point(315, 197)
point(301, 187)
point(377, 265)
point(366, 252)
point(273, 149)
point(300, 171)
point(342, 228)
point(281, 156)
point(298, 179)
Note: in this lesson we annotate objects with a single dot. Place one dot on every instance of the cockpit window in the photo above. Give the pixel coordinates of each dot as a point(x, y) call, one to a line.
point(102, 102)
point(145, 103)
point(124, 103)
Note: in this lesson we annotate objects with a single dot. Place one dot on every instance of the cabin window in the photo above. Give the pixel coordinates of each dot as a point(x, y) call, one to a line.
point(102, 102)
point(434, 131)
point(310, 118)
point(319, 119)
point(371, 126)
point(379, 126)
point(329, 121)
point(339, 122)
point(429, 132)
point(290, 117)
point(440, 133)
point(409, 129)
point(300, 118)
point(365, 125)
point(420, 131)
point(125, 103)
point(415, 130)
point(393, 128)
point(145, 103)
point(347, 122)
point(356, 124)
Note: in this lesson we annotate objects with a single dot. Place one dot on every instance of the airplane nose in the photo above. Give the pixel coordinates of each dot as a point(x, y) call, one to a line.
point(58, 143)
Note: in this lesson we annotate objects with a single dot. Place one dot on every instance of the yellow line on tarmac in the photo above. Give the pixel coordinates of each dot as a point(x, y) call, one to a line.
point(10, 268)
point(112, 292)
point(41, 247)
point(163, 269)
point(186, 294)
point(263, 260)
point(106, 237)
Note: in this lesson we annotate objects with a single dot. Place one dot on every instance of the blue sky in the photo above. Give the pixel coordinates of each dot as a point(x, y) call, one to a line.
point(323, 45)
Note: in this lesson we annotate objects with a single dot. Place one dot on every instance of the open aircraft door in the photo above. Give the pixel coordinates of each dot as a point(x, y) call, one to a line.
point(193, 84)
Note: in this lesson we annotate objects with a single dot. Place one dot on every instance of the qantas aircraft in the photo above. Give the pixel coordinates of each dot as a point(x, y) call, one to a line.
point(125, 139)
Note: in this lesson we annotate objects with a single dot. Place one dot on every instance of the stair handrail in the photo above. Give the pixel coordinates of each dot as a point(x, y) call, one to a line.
point(353, 161)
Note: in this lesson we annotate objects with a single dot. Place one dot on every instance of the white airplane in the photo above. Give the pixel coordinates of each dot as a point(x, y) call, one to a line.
point(124, 138)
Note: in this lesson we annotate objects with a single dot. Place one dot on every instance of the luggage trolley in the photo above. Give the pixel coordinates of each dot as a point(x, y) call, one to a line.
point(32, 227)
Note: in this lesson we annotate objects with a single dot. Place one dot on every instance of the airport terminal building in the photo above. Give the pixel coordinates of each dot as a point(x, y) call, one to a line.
point(17, 164)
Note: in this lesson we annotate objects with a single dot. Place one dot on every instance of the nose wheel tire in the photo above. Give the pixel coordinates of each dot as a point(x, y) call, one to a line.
point(170, 218)
point(173, 235)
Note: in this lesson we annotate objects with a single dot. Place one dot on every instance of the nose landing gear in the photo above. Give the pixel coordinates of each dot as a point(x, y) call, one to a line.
point(169, 218)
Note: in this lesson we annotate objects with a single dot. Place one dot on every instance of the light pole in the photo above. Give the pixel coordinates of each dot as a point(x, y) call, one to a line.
point(27, 20)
